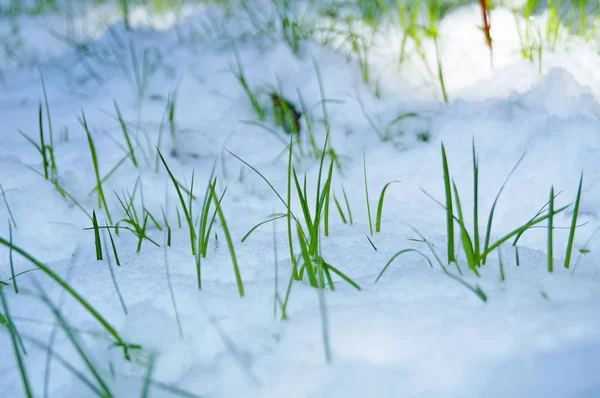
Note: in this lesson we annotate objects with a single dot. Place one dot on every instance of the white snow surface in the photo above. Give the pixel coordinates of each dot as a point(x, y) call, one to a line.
point(414, 333)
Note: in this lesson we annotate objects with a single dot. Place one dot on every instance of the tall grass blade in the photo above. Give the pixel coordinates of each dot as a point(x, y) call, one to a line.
point(573, 225)
point(238, 277)
point(186, 212)
point(367, 192)
point(449, 212)
point(550, 231)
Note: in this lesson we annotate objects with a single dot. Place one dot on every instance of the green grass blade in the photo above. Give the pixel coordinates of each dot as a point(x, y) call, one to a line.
point(114, 247)
point(367, 192)
point(449, 212)
point(146, 386)
point(380, 205)
point(261, 224)
point(42, 146)
point(238, 277)
point(303, 203)
point(520, 230)
point(476, 244)
point(97, 242)
point(343, 276)
point(187, 214)
point(131, 153)
point(488, 230)
point(101, 197)
point(573, 225)
point(467, 243)
point(404, 251)
point(306, 256)
point(339, 209)
point(550, 231)
point(10, 260)
point(348, 207)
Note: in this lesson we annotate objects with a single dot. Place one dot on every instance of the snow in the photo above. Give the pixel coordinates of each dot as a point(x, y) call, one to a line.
point(414, 333)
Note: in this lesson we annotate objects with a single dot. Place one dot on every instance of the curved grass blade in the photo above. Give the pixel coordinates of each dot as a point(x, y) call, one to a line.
point(398, 254)
point(261, 224)
point(492, 210)
point(380, 205)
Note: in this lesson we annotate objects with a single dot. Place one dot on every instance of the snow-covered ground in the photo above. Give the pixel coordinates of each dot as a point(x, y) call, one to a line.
point(417, 332)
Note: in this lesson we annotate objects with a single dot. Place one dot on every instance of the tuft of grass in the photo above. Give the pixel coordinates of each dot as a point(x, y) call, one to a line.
point(475, 256)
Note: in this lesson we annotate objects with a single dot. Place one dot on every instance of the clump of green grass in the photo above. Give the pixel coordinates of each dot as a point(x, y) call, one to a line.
point(470, 239)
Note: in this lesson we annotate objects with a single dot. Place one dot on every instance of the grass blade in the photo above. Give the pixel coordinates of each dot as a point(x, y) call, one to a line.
point(573, 225)
point(404, 251)
point(380, 205)
point(449, 212)
point(238, 277)
point(367, 192)
point(550, 231)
